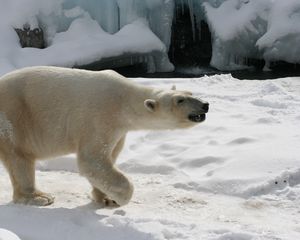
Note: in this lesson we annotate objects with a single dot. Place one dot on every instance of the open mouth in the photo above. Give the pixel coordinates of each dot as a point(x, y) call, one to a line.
point(196, 117)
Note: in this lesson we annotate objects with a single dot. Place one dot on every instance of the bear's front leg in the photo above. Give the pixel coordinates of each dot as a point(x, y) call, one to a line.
point(97, 166)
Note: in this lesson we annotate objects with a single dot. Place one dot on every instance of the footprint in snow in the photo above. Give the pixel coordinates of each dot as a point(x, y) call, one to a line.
point(213, 142)
point(119, 212)
point(222, 235)
point(135, 167)
point(267, 120)
point(241, 140)
point(269, 104)
point(167, 150)
point(238, 116)
point(200, 162)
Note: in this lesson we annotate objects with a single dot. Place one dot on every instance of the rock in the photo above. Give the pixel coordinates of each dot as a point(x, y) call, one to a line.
point(31, 38)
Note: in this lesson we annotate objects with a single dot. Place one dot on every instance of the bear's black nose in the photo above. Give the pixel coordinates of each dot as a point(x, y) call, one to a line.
point(205, 107)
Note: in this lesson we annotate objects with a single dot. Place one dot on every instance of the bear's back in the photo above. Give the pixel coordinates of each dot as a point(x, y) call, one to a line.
point(54, 84)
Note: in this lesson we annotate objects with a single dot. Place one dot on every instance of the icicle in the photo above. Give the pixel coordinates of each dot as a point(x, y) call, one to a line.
point(191, 8)
point(182, 7)
point(267, 66)
point(150, 64)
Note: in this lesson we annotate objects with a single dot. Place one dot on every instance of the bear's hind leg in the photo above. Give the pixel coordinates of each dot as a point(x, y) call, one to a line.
point(22, 174)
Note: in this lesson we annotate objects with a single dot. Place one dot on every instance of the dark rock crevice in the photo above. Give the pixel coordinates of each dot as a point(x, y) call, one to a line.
point(31, 37)
point(190, 45)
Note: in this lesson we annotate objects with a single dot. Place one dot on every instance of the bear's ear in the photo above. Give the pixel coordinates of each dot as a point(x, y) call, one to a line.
point(173, 87)
point(150, 105)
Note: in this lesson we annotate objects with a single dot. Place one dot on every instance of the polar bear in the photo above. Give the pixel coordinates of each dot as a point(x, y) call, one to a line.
point(51, 111)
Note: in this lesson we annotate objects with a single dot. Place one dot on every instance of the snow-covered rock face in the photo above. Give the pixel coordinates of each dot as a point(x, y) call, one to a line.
point(244, 29)
point(281, 41)
point(236, 26)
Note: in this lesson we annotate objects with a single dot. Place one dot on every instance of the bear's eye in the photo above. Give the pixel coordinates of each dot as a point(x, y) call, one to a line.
point(181, 100)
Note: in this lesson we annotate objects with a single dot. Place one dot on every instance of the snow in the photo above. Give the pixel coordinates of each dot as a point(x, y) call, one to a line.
point(7, 235)
point(236, 176)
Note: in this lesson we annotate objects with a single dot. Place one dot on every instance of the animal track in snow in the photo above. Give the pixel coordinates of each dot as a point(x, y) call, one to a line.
point(241, 140)
point(229, 235)
point(270, 104)
point(267, 120)
point(238, 116)
point(168, 150)
point(146, 169)
point(200, 162)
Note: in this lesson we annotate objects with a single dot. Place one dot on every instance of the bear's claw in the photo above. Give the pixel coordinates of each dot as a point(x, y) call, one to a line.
point(103, 200)
point(110, 203)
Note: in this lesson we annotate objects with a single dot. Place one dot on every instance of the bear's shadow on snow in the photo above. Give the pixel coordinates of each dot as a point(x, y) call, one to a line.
point(67, 223)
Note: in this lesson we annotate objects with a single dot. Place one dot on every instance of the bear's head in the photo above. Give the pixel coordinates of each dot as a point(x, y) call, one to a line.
point(172, 109)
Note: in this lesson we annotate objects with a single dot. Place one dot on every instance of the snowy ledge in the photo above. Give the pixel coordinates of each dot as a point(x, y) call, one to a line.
point(85, 42)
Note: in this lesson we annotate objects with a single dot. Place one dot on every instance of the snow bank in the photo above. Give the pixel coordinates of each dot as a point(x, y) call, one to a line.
point(235, 176)
point(243, 29)
point(7, 235)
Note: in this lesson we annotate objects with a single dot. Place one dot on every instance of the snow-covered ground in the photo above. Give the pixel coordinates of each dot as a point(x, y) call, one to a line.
point(234, 177)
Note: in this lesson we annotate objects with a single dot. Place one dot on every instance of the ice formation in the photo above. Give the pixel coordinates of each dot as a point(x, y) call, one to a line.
point(80, 32)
